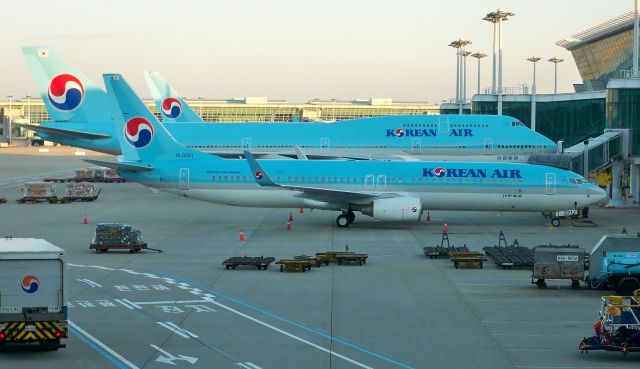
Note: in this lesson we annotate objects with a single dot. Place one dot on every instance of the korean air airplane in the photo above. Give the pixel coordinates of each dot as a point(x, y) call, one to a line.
point(385, 190)
point(169, 103)
point(80, 118)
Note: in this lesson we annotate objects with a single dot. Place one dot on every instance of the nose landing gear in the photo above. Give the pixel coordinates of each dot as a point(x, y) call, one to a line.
point(345, 219)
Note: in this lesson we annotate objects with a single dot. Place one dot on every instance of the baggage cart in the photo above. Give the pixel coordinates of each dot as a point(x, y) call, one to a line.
point(316, 260)
point(260, 262)
point(467, 258)
point(294, 265)
point(118, 236)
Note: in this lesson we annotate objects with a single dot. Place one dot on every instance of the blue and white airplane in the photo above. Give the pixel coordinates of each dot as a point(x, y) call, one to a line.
point(385, 190)
point(169, 103)
point(80, 117)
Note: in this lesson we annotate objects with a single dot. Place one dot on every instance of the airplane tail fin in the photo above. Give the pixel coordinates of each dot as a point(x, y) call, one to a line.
point(141, 136)
point(168, 101)
point(68, 94)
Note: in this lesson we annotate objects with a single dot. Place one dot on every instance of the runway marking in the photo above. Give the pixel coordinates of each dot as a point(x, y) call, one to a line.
point(96, 341)
point(128, 304)
point(89, 282)
point(248, 365)
point(169, 302)
point(177, 330)
point(210, 297)
point(170, 358)
point(291, 335)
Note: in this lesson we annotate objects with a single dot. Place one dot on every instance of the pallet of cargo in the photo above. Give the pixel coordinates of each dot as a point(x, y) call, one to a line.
point(132, 247)
point(467, 258)
point(295, 265)
point(258, 261)
point(437, 251)
point(68, 199)
point(316, 260)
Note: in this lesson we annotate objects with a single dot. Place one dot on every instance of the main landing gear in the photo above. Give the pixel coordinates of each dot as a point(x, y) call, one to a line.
point(345, 219)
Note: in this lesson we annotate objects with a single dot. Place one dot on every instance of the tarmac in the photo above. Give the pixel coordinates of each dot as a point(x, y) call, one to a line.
point(181, 308)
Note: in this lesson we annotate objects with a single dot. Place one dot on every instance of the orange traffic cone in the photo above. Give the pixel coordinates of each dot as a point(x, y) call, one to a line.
point(428, 217)
point(85, 220)
point(301, 211)
point(241, 236)
point(290, 217)
point(288, 226)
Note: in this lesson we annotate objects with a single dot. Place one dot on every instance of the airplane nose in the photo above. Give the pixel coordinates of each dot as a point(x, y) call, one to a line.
point(598, 193)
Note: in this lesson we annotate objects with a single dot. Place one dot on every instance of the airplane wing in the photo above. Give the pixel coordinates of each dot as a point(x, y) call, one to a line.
point(120, 166)
point(315, 193)
point(64, 132)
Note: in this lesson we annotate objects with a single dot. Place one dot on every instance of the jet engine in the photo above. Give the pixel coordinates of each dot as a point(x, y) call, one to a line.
point(395, 209)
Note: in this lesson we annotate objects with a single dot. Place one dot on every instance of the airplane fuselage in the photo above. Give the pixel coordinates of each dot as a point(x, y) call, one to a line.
point(438, 185)
point(413, 137)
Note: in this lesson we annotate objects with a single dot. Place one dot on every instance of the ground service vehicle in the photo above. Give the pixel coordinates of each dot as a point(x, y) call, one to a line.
point(32, 309)
point(620, 271)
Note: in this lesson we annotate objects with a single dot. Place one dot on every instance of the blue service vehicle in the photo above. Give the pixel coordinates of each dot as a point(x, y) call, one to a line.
point(620, 271)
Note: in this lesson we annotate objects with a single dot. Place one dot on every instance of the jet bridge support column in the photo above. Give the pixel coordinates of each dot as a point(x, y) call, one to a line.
point(616, 171)
point(634, 179)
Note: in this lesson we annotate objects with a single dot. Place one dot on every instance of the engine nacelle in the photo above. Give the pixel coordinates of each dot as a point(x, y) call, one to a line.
point(395, 209)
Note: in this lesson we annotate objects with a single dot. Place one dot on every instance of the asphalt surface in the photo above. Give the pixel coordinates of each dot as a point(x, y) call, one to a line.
point(181, 308)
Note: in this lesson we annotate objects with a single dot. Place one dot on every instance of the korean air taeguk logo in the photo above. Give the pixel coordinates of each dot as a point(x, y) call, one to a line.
point(259, 175)
point(138, 132)
point(30, 284)
point(65, 92)
point(171, 107)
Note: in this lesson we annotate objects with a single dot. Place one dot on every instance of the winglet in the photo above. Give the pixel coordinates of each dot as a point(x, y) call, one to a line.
point(299, 153)
point(261, 177)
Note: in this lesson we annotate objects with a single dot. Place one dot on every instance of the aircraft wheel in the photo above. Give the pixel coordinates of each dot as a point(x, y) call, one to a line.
point(351, 217)
point(555, 222)
point(342, 221)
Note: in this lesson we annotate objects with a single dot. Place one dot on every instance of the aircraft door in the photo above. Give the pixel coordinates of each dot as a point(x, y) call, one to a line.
point(382, 181)
point(443, 124)
point(416, 145)
point(368, 181)
point(184, 178)
point(324, 143)
point(550, 181)
point(246, 143)
point(488, 145)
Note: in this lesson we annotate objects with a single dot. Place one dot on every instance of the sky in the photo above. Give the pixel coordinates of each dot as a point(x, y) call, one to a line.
point(297, 50)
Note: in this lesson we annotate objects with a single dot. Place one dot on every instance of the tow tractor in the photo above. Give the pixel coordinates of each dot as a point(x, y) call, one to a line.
point(577, 217)
point(618, 328)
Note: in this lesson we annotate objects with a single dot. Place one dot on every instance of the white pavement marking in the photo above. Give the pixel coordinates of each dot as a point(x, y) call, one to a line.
point(209, 297)
point(170, 302)
point(248, 365)
point(102, 345)
point(177, 330)
point(135, 306)
point(121, 302)
point(89, 282)
point(291, 335)
point(170, 358)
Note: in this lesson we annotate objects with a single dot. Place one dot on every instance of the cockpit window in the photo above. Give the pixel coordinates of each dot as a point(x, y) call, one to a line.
point(577, 180)
point(515, 124)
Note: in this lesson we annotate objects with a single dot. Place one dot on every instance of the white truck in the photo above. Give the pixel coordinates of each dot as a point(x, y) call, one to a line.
point(32, 309)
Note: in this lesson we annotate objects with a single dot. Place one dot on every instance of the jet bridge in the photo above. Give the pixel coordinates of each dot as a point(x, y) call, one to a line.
point(612, 149)
point(599, 153)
